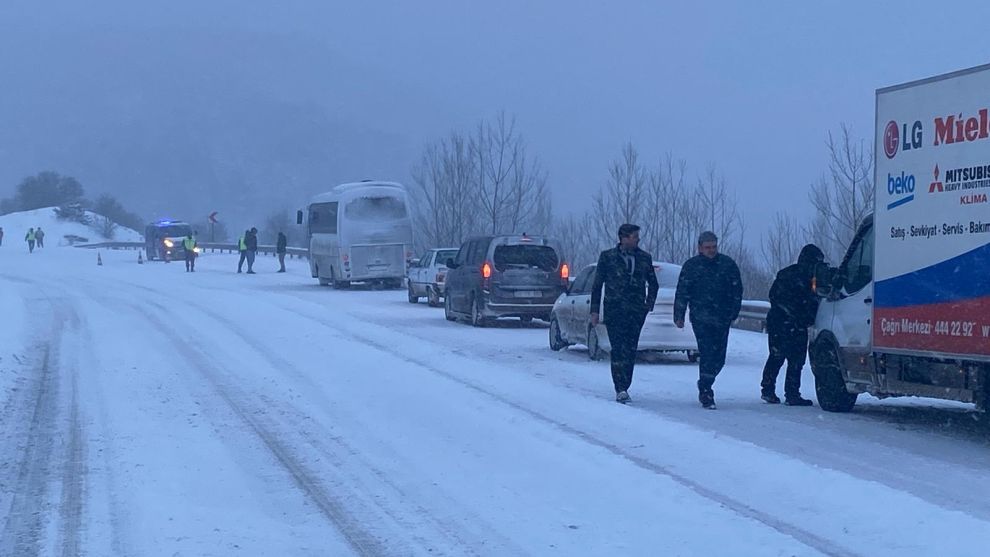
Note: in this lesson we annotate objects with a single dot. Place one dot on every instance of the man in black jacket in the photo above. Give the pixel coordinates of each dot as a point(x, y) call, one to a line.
point(793, 306)
point(630, 283)
point(251, 242)
point(280, 248)
point(711, 287)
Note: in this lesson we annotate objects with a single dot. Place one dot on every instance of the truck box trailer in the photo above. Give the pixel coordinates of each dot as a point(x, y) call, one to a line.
point(907, 313)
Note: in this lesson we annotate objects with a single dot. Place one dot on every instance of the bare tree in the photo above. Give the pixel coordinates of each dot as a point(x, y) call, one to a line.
point(672, 219)
point(622, 198)
point(719, 210)
point(447, 207)
point(574, 241)
point(781, 242)
point(844, 195)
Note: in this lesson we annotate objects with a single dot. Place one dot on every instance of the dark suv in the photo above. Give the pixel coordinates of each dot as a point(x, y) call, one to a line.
point(504, 276)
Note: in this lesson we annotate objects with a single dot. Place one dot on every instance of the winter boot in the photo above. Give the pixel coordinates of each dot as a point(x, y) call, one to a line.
point(770, 398)
point(622, 397)
point(797, 400)
point(707, 399)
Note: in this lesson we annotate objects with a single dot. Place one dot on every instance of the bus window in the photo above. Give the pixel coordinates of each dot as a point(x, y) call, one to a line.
point(323, 218)
point(376, 209)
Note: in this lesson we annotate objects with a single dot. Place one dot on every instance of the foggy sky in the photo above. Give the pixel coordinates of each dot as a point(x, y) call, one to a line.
point(104, 90)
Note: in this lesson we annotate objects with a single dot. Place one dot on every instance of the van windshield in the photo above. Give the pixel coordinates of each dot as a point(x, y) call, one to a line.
point(543, 258)
point(376, 209)
point(173, 231)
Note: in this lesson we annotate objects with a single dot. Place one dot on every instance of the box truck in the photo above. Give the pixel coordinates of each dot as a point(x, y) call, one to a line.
point(907, 313)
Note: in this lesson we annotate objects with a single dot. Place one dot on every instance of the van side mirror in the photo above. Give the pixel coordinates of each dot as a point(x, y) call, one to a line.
point(451, 264)
point(827, 280)
point(299, 217)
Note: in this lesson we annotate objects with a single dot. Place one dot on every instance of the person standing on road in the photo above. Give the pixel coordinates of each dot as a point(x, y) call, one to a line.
point(710, 286)
point(280, 248)
point(793, 307)
point(39, 236)
point(1, 236)
point(189, 246)
point(242, 249)
point(251, 246)
point(630, 283)
point(30, 239)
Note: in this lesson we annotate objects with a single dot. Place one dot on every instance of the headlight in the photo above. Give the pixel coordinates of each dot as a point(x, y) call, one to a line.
point(168, 243)
point(197, 250)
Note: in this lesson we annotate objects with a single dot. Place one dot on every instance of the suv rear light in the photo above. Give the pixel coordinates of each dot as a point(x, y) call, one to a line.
point(441, 276)
point(486, 276)
point(565, 274)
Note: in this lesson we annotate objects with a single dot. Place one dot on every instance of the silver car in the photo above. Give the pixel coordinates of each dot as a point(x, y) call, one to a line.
point(570, 320)
point(427, 276)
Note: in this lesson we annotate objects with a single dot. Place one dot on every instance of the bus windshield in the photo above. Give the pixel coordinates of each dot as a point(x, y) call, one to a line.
point(381, 208)
point(173, 231)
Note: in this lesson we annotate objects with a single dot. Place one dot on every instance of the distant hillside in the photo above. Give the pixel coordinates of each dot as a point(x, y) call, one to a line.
point(15, 227)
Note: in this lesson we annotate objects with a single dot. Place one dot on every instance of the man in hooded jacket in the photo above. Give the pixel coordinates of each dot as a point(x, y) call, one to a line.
point(793, 306)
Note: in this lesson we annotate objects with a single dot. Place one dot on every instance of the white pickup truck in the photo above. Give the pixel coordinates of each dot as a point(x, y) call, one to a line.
point(426, 276)
point(908, 311)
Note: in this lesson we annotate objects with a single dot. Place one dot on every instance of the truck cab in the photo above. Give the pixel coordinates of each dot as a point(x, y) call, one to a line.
point(163, 240)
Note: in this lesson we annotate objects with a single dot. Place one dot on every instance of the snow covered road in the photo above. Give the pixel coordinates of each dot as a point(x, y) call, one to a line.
point(147, 411)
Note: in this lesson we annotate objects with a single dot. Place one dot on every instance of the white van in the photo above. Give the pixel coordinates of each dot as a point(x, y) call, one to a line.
point(360, 232)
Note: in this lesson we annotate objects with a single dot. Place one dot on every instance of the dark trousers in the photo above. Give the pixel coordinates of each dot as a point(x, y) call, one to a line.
point(190, 261)
point(31, 246)
point(790, 343)
point(251, 254)
point(713, 341)
point(281, 261)
point(623, 335)
point(41, 242)
point(240, 264)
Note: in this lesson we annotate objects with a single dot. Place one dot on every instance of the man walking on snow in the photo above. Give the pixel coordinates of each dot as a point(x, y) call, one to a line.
point(280, 249)
point(39, 235)
point(251, 247)
point(242, 249)
point(630, 283)
point(793, 306)
point(711, 287)
point(189, 246)
point(30, 239)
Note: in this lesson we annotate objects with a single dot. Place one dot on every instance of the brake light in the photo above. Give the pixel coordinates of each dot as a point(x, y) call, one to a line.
point(346, 258)
point(565, 271)
point(814, 284)
point(486, 271)
point(441, 276)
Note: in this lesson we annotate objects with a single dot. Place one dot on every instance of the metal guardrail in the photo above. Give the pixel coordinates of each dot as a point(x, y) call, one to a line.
point(211, 247)
point(755, 310)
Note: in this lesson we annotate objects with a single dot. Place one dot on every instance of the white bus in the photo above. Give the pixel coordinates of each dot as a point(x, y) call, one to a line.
point(360, 232)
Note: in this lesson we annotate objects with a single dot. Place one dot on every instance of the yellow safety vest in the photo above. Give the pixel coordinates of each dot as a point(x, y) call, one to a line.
point(241, 244)
point(189, 243)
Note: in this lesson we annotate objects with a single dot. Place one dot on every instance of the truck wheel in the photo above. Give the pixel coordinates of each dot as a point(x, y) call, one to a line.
point(477, 316)
point(556, 342)
point(413, 298)
point(595, 352)
point(829, 385)
point(448, 311)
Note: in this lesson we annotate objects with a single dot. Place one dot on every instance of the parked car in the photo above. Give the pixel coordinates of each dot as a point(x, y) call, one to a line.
point(570, 320)
point(504, 276)
point(427, 276)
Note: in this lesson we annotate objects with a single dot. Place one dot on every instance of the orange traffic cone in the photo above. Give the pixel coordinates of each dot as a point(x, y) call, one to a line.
point(140, 259)
point(99, 259)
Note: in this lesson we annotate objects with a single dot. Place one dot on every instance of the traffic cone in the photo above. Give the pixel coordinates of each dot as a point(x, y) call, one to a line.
point(99, 259)
point(140, 259)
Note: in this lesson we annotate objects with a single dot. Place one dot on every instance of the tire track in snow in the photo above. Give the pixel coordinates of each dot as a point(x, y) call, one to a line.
point(334, 510)
point(802, 535)
point(45, 445)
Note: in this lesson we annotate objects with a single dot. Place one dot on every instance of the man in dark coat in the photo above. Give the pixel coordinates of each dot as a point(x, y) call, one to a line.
point(793, 306)
point(630, 283)
point(710, 286)
point(251, 243)
point(280, 248)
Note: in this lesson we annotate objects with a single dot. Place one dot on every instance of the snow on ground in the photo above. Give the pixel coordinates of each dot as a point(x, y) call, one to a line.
point(148, 411)
point(16, 225)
